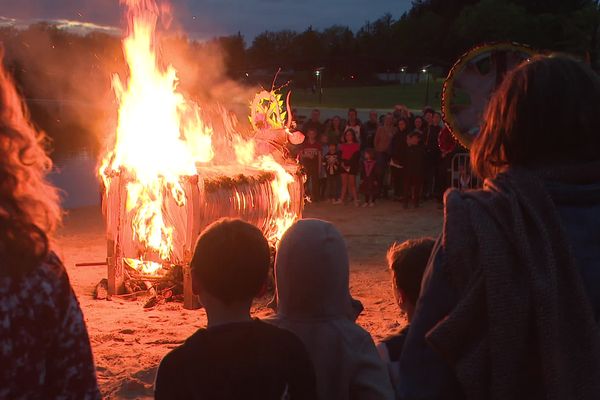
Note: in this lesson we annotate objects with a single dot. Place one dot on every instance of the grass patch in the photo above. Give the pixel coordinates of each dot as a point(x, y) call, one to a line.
point(377, 97)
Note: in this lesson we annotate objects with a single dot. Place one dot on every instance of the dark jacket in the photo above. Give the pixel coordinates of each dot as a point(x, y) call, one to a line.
point(398, 146)
point(432, 134)
point(367, 135)
point(414, 160)
point(431, 374)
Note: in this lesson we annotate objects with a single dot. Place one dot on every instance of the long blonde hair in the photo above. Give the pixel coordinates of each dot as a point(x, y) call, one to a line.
point(29, 205)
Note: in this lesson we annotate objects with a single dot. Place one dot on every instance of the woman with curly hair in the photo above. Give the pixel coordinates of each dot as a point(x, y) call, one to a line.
point(44, 346)
point(510, 301)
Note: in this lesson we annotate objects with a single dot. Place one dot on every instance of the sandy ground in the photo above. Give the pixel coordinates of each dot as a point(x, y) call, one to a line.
point(129, 341)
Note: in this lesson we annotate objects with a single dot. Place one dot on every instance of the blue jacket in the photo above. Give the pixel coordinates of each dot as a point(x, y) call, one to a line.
point(423, 373)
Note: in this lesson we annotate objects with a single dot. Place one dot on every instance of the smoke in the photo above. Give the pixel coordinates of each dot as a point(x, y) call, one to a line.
point(66, 77)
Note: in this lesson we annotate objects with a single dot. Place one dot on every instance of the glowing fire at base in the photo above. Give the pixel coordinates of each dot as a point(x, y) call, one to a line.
point(163, 139)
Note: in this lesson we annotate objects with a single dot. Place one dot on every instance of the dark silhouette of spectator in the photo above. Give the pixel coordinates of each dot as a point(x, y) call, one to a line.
point(369, 175)
point(335, 130)
point(510, 301)
point(383, 146)
point(354, 124)
point(44, 346)
point(314, 123)
point(310, 158)
point(431, 136)
point(398, 150)
point(407, 262)
point(350, 151)
point(414, 166)
point(235, 356)
point(368, 131)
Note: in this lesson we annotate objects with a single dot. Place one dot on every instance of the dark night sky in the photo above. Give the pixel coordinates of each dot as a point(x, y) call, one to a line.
point(208, 18)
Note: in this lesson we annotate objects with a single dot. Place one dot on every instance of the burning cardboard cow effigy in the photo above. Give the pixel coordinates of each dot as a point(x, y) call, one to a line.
point(175, 167)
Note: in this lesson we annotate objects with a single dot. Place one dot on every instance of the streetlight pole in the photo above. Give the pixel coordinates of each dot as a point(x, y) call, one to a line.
point(319, 76)
point(403, 75)
point(426, 71)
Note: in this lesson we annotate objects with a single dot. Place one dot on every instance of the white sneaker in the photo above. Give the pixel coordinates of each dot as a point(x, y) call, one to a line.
point(371, 204)
point(365, 205)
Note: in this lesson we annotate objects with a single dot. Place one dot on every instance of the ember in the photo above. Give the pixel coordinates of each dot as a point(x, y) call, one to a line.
point(175, 167)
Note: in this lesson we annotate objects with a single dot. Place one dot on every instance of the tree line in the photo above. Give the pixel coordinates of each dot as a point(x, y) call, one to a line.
point(49, 63)
point(433, 32)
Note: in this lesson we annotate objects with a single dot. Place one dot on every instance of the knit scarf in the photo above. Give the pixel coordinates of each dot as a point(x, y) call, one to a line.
point(524, 327)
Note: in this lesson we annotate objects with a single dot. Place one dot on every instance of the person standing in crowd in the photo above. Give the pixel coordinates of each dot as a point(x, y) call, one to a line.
point(354, 124)
point(368, 131)
point(407, 262)
point(414, 166)
point(432, 133)
point(369, 186)
point(45, 350)
point(235, 356)
point(510, 301)
point(334, 130)
point(402, 112)
point(383, 143)
point(314, 302)
point(398, 151)
point(310, 158)
point(332, 165)
point(324, 139)
point(448, 148)
point(428, 115)
point(420, 125)
point(350, 151)
point(314, 123)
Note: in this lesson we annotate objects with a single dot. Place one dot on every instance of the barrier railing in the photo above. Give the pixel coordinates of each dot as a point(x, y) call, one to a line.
point(461, 173)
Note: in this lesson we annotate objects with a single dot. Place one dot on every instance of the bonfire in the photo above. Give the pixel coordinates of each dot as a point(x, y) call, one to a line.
point(175, 166)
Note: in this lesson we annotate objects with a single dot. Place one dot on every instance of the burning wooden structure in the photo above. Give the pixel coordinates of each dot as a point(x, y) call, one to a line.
point(209, 197)
point(175, 167)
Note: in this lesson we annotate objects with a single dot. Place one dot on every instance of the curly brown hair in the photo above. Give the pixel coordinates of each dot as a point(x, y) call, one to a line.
point(29, 205)
point(544, 113)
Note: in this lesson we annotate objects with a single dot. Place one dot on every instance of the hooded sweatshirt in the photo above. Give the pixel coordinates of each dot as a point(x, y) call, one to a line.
point(314, 302)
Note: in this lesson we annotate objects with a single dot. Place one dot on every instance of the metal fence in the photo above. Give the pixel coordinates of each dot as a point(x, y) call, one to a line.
point(461, 173)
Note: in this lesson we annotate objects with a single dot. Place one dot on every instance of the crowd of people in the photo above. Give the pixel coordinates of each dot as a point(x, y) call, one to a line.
point(505, 304)
point(398, 154)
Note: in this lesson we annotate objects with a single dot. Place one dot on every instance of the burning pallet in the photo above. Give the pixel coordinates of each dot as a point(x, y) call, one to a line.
point(208, 197)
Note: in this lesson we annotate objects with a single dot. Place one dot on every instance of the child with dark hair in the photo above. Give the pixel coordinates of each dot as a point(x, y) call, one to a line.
point(414, 168)
point(369, 174)
point(407, 262)
point(234, 357)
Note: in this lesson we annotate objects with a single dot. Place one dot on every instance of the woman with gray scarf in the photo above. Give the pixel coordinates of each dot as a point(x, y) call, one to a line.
point(510, 302)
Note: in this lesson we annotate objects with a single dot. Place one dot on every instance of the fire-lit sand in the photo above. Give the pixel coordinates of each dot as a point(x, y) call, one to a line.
point(129, 341)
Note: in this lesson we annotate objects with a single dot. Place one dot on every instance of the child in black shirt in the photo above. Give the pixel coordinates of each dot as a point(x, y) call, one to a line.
point(235, 357)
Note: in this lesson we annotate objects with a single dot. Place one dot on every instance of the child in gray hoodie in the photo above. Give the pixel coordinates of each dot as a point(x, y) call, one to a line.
point(314, 302)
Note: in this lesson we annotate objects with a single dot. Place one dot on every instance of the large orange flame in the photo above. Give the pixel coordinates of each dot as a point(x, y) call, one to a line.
point(161, 137)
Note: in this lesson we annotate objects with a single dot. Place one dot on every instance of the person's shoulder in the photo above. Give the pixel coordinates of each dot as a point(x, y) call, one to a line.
point(280, 337)
point(50, 278)
point(269, 328)
point(177, 358)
